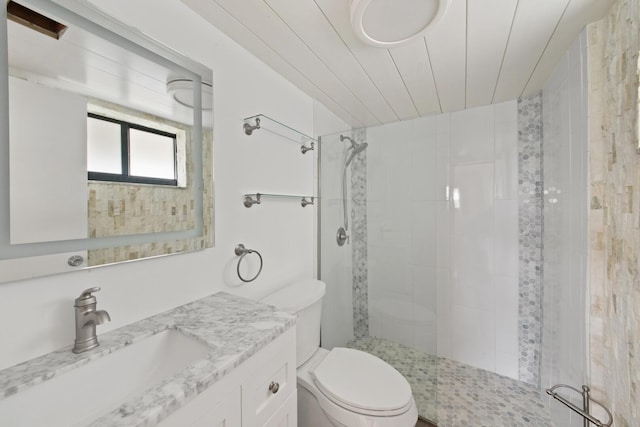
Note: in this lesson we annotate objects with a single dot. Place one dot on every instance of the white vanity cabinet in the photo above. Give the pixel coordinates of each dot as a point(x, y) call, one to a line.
point(261, 392)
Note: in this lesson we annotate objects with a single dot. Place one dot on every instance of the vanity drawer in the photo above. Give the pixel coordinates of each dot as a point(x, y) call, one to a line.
point(273, 382)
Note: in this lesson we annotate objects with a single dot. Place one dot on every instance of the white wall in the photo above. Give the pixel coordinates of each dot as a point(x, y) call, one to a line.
point(566, 206)
point(443, 274)
point(36, 315)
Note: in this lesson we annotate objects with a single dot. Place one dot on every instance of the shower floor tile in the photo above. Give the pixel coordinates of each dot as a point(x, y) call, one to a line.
point(453, 394)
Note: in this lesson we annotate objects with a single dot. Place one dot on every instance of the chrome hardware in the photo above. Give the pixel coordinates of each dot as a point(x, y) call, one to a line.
point(250, 201)
point(311, 147)
point(276, 127)
point(586, 403)
point(341, 236)
point(274, 387)
point(242, 251)
point(87, 318)
point(248, 129)
point(75, 260)
point(349, 153)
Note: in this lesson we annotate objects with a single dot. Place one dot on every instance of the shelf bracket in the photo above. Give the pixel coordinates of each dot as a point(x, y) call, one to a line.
point(250, 201)
point(248, 128)
point(304, 148)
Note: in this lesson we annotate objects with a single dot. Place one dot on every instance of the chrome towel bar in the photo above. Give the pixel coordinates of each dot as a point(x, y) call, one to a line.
point(586, 404)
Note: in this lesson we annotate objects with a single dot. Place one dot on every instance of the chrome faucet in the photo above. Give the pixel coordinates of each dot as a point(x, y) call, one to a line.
point(87, 318)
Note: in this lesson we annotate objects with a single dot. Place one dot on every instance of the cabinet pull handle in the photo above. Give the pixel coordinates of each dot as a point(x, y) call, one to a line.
point(274, 387)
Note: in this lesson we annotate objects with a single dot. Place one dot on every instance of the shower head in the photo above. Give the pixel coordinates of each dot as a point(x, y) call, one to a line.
point(357, 148)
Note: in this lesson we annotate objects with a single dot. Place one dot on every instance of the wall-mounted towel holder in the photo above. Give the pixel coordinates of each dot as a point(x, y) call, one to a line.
point(243, 251)
point(584, 412)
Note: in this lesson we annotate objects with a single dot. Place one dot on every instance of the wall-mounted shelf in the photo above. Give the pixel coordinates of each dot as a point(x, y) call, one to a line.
point(256, 198)
point(262, 122)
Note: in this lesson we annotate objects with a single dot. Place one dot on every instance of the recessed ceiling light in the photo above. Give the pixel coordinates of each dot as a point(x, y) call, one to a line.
point(389, 23)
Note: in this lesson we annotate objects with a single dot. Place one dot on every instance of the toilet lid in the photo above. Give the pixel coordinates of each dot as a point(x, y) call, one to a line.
point(362, 382)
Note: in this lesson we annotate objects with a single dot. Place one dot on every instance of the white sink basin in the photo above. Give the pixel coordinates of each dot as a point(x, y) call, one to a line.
point(81, 395)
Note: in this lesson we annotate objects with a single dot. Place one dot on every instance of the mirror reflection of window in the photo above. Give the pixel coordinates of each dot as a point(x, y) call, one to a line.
point(123, 151)
point(152, 154)
point(104, 153)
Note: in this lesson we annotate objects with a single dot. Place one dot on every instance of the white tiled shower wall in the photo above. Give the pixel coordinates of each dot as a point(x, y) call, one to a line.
point(438, 186)
point(566, 207)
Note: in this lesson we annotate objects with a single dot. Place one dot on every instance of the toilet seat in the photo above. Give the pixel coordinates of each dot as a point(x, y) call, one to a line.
point(352, 379)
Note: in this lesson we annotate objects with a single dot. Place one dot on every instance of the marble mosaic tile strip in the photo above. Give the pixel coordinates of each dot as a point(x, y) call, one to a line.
point(359, 238)
point(530, 228)
point(453, 394)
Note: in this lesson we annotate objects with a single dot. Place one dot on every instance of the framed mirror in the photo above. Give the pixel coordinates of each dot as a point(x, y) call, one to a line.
point(105, 142)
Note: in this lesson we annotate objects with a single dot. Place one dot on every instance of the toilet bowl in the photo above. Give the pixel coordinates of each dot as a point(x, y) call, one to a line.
point(342, 386)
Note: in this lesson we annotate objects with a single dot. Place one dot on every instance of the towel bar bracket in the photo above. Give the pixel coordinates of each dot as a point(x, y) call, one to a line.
point(584, 412)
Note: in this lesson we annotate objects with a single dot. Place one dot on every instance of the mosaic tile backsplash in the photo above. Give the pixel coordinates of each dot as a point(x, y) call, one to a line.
point(530, 229)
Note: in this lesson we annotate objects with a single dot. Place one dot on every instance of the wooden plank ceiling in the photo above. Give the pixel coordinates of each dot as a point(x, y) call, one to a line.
point(481, 52)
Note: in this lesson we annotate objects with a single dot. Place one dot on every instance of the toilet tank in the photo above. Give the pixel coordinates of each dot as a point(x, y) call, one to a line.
point(305, 300)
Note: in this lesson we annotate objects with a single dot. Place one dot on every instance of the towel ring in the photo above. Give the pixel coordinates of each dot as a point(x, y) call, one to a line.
point(242, 251)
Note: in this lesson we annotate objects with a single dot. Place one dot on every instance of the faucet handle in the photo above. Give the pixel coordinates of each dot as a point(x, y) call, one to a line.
point(86, 297)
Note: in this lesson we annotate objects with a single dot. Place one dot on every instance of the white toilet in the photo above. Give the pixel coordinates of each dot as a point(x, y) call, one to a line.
point(340, 387)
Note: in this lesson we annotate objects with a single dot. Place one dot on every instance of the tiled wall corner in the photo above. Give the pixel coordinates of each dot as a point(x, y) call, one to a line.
point(614, 219)
point(596, 230)
point(359, 238)
point(530, 226)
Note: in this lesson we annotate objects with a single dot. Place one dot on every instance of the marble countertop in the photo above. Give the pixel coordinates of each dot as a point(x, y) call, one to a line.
point(233, 327)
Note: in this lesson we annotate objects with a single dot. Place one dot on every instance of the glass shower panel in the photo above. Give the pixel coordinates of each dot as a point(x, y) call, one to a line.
point(335, 261)
point(401, 233)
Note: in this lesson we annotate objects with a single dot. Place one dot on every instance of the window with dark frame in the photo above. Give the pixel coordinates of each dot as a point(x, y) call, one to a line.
point(120, 151)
